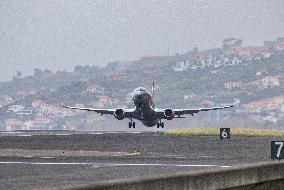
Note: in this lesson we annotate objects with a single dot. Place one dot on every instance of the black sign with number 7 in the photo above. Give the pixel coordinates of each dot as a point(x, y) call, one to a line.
point(277, 150)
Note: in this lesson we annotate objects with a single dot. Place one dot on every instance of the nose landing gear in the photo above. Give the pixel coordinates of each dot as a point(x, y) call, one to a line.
point(131, 124)
point(160, 124)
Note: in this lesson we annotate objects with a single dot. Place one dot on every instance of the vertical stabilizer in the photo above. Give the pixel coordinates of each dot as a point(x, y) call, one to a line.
point(153, 92)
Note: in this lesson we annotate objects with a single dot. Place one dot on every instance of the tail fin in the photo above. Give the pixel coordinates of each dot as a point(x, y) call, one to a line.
point(153, 92)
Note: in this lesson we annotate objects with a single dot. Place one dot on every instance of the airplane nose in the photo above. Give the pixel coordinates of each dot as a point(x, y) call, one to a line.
point(137, 99)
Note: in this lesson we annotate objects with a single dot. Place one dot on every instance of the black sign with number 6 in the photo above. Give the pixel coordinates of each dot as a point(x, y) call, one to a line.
point(277, 150)
point(224, 133)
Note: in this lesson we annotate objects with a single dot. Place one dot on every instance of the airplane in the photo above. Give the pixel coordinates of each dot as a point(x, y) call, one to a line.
point(145, 110)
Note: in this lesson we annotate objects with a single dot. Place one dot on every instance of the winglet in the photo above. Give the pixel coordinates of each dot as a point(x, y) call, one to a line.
point(63, 105)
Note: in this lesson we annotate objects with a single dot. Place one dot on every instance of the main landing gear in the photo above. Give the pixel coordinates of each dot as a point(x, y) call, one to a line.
point(160, 124)
point(131, 124)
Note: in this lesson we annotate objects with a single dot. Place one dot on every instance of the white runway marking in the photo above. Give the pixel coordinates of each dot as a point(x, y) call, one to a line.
point(170, 165)
point(12, 132)
point(49, 163)
point(205, 156)
point(114, 164)
point(24, 135)
point(46, 157)
point(62, 134)
point(97, 133)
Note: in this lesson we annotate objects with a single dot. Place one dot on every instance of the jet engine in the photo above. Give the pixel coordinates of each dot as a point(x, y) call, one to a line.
point(119, 114)
point(169, 114)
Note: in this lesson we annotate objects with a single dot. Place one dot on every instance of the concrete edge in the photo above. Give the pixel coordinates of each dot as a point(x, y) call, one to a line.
point(235, 176)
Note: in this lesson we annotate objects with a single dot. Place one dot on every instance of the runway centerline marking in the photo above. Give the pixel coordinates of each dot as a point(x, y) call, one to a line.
point(172, 165)
point(24, 135)
point(49, 163)
point(112, 164)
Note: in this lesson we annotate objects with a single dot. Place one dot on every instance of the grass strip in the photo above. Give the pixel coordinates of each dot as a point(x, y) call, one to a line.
point(242, 132)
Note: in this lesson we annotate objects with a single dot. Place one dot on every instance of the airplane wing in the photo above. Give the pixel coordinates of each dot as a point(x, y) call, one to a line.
point(127, 112)
point(179, 112)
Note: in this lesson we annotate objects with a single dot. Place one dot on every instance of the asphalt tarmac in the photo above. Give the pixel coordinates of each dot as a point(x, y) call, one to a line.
point(44, 160)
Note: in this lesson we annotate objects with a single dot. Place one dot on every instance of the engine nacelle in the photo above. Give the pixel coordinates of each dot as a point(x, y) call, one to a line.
point(169, 114)
point(119, 114)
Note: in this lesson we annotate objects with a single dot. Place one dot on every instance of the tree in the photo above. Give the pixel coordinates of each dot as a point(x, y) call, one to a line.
point(37, 72)
point(231, 42)
point(19, 74)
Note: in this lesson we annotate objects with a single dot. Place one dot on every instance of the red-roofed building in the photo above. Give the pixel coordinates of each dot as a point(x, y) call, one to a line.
point(269, 103)
point(248, 51)
point(105, 100)
point(279, 99)
point(38, 103)
point(279, 45)
point(207, 103)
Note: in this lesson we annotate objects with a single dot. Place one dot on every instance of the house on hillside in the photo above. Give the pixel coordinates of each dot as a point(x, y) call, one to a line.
point(7, 98)
point(279, 100)
point(208, 103)
point(15, 108)
point(148, 67)
point(249, 51)
point(265, 104)
point(38, 103)
point(104, 101)
point(232, 85)
point(115, 75)
point(258, 106)
point(270, 81)
point(28, 92)
point(279, 45)
point(128, 97)
point(19, 110)
point(94, 88)
point(14, 124)
point(39, 123)
point(181, 66)
point(72, 124)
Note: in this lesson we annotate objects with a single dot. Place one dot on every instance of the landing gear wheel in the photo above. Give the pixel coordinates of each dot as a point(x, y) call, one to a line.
point(131, 125)
point(158, 125)
point(162, 125)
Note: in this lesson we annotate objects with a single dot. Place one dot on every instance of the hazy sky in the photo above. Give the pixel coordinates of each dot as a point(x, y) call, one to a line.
point(58, 35)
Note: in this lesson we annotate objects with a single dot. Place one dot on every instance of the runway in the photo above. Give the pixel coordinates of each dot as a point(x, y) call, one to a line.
point(42, 159)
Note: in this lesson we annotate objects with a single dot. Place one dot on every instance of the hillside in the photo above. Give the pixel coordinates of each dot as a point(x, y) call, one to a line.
point(253, 81)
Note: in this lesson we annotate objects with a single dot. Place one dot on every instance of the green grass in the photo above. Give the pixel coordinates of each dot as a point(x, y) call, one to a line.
point(242, 132)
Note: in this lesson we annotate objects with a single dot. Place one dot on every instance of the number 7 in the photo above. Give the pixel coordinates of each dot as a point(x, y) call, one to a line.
point(279, 149)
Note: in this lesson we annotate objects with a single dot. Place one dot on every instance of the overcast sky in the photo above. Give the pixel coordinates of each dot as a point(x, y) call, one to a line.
point(58, 35)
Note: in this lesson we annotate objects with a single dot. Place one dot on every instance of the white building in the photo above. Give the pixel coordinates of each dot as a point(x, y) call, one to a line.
point(181, 66)
point(270, 81)
point(15, 108)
